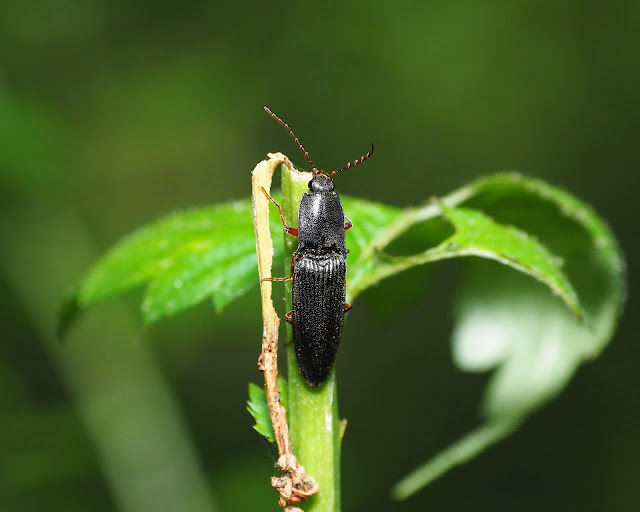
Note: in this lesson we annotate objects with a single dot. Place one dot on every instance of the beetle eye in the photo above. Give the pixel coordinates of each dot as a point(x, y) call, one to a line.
point(309, 184)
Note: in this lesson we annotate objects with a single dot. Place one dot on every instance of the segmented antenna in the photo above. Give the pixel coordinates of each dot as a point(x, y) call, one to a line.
point(354, 163)
point(295, 139)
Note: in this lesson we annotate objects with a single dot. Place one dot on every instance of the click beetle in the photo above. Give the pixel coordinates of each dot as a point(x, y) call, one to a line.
point(318, 271)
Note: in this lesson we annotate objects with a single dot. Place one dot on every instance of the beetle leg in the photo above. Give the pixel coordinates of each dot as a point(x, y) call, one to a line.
point(347, 307)
point(296, 257)
point(347, 223)
point(277, 278)
point(291, 231)
point(289, 317)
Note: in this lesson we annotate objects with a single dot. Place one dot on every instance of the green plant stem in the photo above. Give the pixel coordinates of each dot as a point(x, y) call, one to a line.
point(314, 422)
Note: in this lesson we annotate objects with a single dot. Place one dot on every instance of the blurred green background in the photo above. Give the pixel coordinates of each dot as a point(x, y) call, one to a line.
point(115, 113)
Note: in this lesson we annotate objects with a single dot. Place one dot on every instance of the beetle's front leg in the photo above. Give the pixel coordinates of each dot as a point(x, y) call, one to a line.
point(291, 231)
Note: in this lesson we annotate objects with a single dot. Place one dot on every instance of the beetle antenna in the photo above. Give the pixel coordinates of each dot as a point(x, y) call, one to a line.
point(295, 139)
point(354, 163)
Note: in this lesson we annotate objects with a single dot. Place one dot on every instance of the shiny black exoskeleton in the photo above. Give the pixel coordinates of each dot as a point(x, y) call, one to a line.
point(321, 220)
point(319, 274)
point(319, 280)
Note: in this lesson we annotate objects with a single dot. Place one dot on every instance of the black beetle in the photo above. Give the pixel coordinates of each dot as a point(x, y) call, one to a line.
point(318, 270)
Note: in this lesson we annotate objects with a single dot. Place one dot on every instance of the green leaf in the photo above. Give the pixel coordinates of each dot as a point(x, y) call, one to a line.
point(475, 235)
point(369, 219)
point(184, 258)
point(510, 323)
point(258, 408)
point(478, 235)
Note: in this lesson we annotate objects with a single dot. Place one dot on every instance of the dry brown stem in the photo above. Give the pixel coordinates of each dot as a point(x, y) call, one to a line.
point(295, 485)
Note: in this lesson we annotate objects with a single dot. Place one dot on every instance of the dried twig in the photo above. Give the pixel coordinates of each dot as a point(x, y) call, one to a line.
point(295, 485)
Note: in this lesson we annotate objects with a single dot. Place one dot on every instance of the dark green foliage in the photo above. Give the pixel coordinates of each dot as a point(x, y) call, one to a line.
point(504, 321)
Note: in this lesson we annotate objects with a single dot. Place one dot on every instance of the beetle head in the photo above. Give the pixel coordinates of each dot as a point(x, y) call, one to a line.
point(321, 182)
